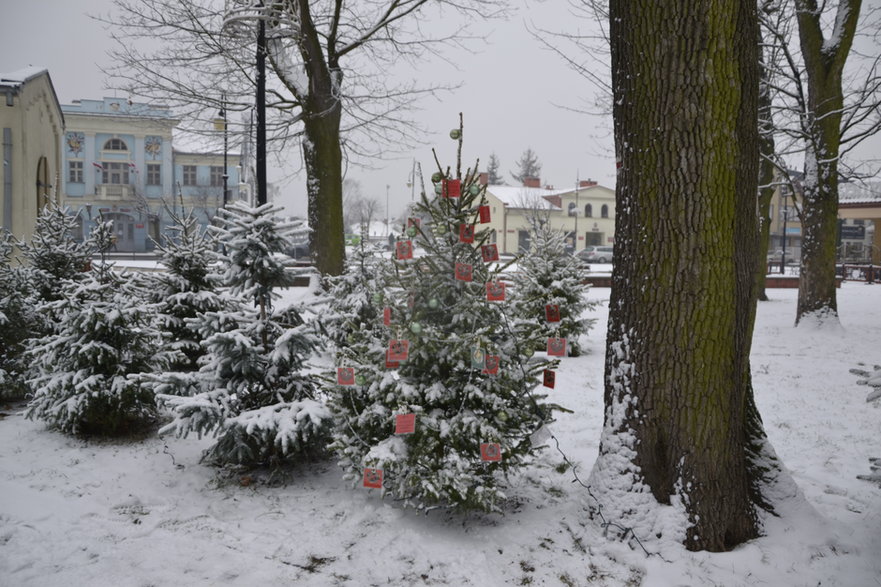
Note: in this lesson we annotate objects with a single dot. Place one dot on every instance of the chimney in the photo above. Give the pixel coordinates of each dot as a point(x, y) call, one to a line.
point(483, 178)
point(531, 182)
point(586, 183)
point(555, 200)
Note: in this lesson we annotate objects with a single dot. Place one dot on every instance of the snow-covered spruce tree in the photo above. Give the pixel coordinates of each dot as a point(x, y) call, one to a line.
point(549, 290)
point(255, 396)
point(53, 253)
point(18, 320)
point(186, 289)
point(452, 367)
point(84, 374)
point(352, 319)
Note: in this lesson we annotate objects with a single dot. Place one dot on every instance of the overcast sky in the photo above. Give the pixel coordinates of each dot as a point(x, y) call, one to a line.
point(511, 96)
point(507, 97)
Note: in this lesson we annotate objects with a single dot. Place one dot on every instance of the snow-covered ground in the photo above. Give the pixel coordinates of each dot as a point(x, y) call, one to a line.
point(144, 513)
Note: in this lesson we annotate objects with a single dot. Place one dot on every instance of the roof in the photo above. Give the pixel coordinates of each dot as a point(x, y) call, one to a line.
point(14, 79)
point(117, 107)
point(859, 193)
point(11, 82)
point(524, 197)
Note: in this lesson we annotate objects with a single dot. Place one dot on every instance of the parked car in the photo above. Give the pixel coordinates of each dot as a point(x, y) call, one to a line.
point(596, 255)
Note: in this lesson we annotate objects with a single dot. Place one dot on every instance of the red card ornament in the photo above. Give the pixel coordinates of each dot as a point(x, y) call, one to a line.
point(451, 188)
point(398, 350)
point(490, 451)
point(552, 313)
point(373, 478)
point(404, 250)
point(466, 233)
point(489, 253)
point(491, 365)
point(495, 291)
point(345, 375)
point(387, 316)
point(405, 423)
point(463, 272)
point(414, 222)
point(391, 364)
point(483, 211)
point(557, 347)
point(550, 378)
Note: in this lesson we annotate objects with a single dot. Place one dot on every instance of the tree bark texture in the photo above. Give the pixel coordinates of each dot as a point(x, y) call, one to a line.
point(322, 150)
point(678, 387)
point(824, 63)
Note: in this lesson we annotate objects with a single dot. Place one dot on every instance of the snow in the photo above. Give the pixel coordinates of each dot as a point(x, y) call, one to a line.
point(146, 512)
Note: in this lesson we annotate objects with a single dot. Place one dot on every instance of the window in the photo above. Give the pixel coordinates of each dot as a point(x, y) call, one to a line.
point(115, 144)
point(573, 209)
point(154, 174)
point(189, 175)
point(115, 172)
point(75, 171)
point(216, 175)
point(588, 211)
point(604, 211)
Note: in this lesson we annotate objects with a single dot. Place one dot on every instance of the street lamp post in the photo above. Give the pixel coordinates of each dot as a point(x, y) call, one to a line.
point(221, 123)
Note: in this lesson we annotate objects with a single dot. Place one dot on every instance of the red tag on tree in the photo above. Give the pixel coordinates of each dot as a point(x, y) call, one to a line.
point(463, 271)
point(404, 249)
point(387, 316)
point(483, 211)
point(491, 365)
point(495, 291)
point(414, 222)
point(550, 378)
point(373, 478)
point(405, 423)
point(552, 313)
point(345, 375)
point(557, 347)
point(391, 364)
point(489, 253)
point(490, 451)
point(451, 188)
point(398, 349)
point(466, 233)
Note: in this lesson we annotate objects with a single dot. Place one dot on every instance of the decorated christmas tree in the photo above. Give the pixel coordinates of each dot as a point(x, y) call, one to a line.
point(446, 403)
point(549, 288)
point(85, 373)
point(255, 396)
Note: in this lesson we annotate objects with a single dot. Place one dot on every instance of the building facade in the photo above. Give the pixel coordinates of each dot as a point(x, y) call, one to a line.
point(31, 123)
point(586, 214)
point(120, 164)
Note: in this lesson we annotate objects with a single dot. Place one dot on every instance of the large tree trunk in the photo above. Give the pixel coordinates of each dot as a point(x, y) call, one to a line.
point(680, 420)
point(824, 63)
point(322, 152)
point(322, 156)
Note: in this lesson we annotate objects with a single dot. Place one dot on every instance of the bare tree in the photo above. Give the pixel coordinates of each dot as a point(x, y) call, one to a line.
point(826, 101)
point(328, 65)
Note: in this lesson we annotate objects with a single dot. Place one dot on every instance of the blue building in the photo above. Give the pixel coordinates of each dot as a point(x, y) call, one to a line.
point(120, 164)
